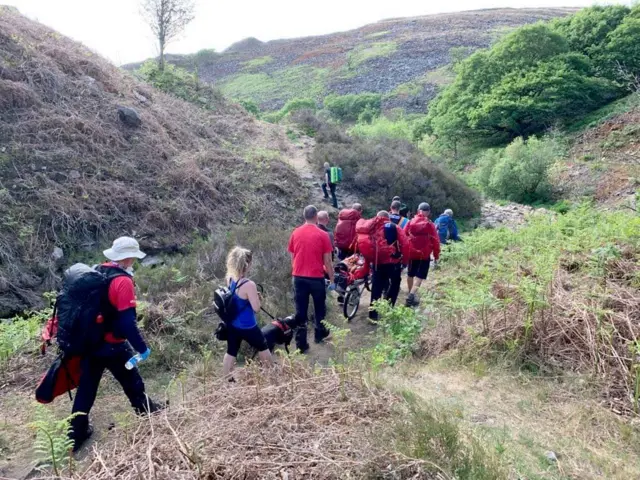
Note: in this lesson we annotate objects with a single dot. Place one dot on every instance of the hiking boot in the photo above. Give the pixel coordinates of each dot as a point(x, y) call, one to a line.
point(303, 349)
point(412, 300)
point(81, 437)
point(151, 407)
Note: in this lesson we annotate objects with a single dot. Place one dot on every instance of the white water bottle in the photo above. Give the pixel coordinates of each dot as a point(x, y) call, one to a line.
point(133, 361)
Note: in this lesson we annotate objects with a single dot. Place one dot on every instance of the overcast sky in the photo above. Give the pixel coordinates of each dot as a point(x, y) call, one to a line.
point(114, 27)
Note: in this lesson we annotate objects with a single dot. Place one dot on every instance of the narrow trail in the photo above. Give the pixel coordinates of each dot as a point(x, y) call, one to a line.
point(298, 158)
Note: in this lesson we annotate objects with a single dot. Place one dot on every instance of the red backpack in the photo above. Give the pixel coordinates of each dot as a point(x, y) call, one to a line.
point(372, 243)
point(344, 235)
point(422, 239)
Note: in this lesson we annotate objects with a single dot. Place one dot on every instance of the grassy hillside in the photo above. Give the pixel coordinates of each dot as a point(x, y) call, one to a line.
point(74, 176)
point(400, 58)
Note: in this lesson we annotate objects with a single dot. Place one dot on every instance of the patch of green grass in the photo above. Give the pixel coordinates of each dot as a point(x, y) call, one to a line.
point(280, 85)
point(605, 113)
point(440, 76)
point(433, 434)
point(256, 63)
point(362, 53)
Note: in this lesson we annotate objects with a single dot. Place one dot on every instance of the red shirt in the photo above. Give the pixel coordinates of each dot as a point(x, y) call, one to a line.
point(308, 245)
point(122, 295)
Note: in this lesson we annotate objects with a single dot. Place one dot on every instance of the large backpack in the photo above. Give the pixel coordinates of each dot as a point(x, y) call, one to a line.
point(82, 306)
point(373, 241)
point(421, 238)
point(344, 235)
point(335, 175)
point(223, 303)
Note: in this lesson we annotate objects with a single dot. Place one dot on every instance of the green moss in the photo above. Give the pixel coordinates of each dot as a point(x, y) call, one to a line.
point(363, 53)
point(280, 85)
point(258, 62)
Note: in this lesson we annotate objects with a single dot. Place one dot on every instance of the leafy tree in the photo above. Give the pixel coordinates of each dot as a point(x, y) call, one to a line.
point(167, 19)
point(519, 172)
point(536, 77)
point(347, 108)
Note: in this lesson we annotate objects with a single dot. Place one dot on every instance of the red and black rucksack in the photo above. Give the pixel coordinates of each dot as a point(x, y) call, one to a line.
point(82, 308)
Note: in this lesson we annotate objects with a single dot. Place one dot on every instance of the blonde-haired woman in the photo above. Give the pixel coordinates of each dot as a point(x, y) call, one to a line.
point(244, 327)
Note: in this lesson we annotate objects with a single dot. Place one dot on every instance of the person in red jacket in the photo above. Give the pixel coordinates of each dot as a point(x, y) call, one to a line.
point(344, 235)
point(424, 242)
point(385, 245)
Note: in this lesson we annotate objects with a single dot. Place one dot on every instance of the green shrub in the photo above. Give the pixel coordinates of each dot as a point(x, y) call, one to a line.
point(384, 127)
point(180, 83)
point(251, 107)
point(293, 105)
point(347, 108)
point(519, 172)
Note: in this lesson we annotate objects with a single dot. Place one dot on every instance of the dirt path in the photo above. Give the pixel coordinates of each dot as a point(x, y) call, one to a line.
point(298, 158)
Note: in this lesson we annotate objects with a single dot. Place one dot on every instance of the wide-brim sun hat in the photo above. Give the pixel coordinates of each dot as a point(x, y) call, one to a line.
point(122, 248)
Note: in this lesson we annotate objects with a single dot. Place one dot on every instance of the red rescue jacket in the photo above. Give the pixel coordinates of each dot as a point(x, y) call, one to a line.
point(344, 235)
point(373, 245)
point(423, 239)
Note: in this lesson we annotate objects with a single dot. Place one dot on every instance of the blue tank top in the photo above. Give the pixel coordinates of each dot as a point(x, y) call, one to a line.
point(246, 317)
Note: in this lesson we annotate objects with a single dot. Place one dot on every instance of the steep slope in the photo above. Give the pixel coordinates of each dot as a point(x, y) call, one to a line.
point(604, 159)
point(397, 57)
point(73, 174)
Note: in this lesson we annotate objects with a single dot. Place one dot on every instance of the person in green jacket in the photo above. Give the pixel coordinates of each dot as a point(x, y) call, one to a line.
point(332, 186)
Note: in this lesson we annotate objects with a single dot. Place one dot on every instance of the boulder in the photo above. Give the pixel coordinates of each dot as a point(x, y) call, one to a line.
point(129, 117)
point(57, 255)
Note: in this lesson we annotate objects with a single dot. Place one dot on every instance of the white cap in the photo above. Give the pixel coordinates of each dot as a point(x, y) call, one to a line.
point(124, 247)
point(449, 212)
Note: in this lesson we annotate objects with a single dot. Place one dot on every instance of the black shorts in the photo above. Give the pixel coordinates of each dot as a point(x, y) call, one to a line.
point(418, 268)
point(253, 336)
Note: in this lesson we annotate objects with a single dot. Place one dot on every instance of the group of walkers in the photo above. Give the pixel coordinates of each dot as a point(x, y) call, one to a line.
point(384, 245)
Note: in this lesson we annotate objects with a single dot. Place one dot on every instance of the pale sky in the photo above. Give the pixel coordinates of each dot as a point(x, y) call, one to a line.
point(115, 29)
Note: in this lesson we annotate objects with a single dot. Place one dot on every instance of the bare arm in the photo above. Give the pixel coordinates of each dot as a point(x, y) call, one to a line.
point(328, 266)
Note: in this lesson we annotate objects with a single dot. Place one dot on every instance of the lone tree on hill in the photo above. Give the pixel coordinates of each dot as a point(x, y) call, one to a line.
point(167, 19)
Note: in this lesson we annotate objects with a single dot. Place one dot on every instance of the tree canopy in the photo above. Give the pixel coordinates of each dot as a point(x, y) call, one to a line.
point(539, 76)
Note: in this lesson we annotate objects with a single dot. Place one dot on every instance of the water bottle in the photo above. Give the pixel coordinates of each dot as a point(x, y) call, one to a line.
point(133, 361)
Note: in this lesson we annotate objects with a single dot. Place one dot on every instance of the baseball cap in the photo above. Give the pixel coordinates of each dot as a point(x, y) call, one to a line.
point(124, 247)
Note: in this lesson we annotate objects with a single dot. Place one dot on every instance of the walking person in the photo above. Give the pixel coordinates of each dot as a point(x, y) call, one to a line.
point(385, 246)
point(121, 334)
point(310, 251)
point(447, 227)
point(396, 217)
point(423, 242)
point(323, 224)
point(247, 304)
point(328, 184)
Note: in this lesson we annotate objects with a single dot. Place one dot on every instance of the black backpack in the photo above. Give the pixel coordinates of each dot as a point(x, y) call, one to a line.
point(223, 303)
point(82, 307)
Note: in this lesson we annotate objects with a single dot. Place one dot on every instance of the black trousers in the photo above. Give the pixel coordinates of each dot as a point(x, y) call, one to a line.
point(386, 278)
point(303, 288)
point(332, 189)
point(111, 357)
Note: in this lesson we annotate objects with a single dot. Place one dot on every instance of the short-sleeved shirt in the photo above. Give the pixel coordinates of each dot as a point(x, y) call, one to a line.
point(308, 245)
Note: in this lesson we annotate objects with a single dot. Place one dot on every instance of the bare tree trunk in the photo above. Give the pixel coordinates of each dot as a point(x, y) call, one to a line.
point(161, 61)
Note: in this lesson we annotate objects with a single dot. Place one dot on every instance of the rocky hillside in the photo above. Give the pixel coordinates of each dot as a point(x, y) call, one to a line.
point(401, 58)
point(88, 153)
